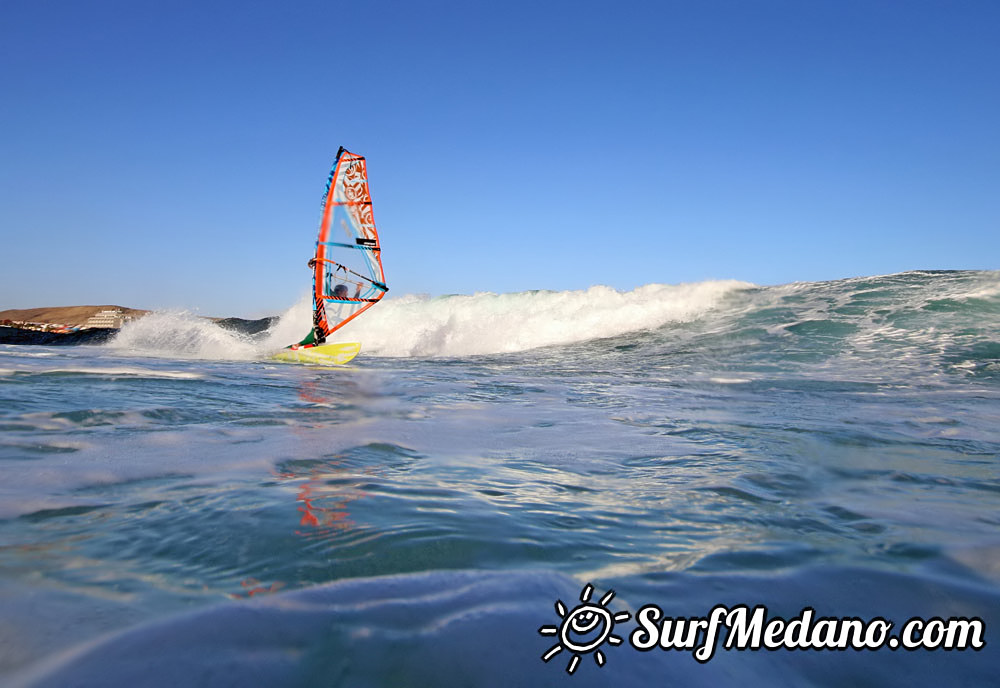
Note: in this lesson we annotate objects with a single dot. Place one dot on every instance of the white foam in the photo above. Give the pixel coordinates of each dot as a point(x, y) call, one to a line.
point(185, 335)
point(293, 325)
point(487, 323)
point(457, 325)
point(988, 292)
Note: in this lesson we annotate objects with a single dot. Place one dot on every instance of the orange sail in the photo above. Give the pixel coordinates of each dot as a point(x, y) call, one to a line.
point(347, 277)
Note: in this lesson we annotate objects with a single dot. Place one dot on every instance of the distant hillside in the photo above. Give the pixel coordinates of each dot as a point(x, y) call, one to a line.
point(65, 315)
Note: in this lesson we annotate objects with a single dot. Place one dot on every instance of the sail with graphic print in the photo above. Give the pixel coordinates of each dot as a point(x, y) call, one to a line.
point(347, 264)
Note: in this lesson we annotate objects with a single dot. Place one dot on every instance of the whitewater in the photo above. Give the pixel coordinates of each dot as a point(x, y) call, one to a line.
point(177, 509)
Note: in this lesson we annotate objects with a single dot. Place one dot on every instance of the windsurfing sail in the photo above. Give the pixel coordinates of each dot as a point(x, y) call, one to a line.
point(347, 265)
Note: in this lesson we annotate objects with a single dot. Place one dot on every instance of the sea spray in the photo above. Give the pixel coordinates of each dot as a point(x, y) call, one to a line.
point(182, 334)
point(291, 326)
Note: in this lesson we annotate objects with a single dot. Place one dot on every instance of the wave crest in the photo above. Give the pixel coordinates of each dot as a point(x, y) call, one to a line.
point(488, 323)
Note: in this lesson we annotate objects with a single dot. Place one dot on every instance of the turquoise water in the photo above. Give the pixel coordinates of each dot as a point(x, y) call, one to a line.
point(173, 502)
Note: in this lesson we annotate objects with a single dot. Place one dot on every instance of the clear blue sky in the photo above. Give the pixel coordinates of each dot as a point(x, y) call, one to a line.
point(173, 154)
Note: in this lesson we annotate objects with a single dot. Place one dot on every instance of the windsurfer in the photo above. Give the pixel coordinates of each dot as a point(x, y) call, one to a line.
point(340, 291)
point(347, 206)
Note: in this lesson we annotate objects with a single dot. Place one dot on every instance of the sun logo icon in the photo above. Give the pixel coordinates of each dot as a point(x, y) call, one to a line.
point(584, 628)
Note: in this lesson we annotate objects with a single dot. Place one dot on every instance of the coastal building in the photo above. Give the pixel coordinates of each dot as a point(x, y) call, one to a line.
point(109, 317)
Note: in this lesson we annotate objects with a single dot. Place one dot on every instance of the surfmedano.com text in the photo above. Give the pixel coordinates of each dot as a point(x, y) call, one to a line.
point(739, 628)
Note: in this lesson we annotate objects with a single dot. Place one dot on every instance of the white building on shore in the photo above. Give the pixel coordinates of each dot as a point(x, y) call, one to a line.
point(109, 317)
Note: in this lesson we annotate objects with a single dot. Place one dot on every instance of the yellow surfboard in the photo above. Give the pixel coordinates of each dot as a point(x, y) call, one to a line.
point(324, 354)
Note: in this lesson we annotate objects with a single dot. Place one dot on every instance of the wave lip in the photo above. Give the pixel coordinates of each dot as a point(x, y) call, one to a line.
point(488, 323)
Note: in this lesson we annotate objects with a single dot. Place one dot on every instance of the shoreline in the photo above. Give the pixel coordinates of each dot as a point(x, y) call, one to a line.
point(93, 335)
point(99, 335)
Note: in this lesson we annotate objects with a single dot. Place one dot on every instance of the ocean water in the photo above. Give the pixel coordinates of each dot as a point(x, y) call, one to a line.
point(175, 509)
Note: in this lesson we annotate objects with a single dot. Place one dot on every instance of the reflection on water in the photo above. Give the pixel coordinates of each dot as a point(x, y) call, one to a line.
point(324, 491)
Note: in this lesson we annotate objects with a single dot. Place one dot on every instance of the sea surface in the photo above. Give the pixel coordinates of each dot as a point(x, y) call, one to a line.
point(176, 509)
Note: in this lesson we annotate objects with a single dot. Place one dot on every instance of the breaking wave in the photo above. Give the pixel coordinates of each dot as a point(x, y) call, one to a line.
point(905, 313)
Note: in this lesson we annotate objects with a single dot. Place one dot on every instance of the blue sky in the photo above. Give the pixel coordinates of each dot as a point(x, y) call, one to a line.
point(174, 154)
